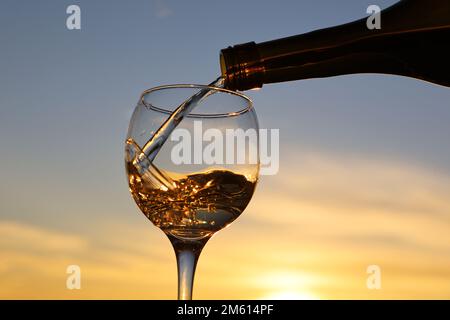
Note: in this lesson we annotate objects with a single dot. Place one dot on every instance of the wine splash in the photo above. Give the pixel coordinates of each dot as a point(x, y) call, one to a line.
point(197, 206)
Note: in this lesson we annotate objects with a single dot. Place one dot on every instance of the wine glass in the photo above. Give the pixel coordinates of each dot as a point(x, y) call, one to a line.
point(201, 178)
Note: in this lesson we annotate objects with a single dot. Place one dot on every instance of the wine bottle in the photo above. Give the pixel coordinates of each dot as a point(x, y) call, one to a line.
point(413, 41)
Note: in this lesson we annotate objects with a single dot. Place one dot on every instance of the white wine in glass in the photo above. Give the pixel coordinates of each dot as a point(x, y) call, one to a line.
point(189, 201)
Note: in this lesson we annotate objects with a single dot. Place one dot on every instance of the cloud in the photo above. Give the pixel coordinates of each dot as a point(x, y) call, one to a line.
point(364, 201)
point(35, 259)
point(369, 184)
point(28, 237)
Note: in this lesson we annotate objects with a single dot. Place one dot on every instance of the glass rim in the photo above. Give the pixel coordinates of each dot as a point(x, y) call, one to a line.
point(199, 86)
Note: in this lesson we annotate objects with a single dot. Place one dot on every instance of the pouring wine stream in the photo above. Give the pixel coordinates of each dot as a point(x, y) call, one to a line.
point(143, 160)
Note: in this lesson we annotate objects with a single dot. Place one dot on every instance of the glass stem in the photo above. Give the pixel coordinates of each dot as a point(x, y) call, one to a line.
point(186, 262)
point(187, 253)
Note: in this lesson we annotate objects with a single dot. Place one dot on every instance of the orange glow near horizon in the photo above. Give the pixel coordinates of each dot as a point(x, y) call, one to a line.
point(309, 236)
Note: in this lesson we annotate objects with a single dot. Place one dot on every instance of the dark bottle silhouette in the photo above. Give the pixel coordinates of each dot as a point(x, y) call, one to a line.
point(414, 41)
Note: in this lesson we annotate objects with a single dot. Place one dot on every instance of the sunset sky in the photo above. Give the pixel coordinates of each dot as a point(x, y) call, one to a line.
point(364, 160)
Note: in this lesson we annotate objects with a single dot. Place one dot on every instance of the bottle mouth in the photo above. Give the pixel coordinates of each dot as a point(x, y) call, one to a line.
point(248, 103)
point(241, 66)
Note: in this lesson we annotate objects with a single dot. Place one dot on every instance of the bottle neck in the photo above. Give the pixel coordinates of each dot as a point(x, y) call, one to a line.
point(242, 67)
